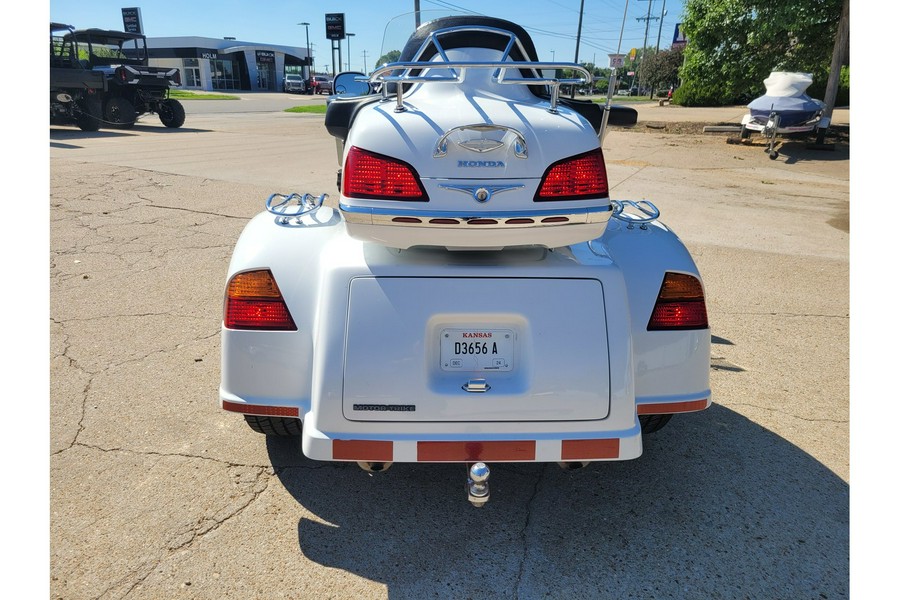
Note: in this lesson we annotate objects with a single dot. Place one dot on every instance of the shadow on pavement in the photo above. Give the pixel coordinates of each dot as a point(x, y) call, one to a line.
point(73, 133)
point(716, 507)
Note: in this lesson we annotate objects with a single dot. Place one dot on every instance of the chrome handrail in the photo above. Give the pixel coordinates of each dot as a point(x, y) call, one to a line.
point(289, 206)
point(644, 207)
point(458, 70)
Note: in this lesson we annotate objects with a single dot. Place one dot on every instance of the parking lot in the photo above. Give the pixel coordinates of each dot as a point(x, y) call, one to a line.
point(157, 493)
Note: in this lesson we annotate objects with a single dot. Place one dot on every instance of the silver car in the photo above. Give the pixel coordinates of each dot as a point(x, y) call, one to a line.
point(295, 84)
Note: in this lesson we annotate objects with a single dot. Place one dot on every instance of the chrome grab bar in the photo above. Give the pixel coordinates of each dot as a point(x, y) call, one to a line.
point(647, 212)
point(289, 206)
point(382, 75)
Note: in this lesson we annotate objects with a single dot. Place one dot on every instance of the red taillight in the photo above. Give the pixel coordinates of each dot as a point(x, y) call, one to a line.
point(253, 301)
point(574, 178)
point(370, 175)
point(680, 304)
point(122, 74)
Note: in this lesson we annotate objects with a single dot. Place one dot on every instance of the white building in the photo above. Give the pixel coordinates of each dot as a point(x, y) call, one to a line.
point(228, 64)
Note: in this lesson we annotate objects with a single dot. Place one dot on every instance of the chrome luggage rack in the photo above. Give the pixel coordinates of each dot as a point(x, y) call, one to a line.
point(384, 74)
point(293, 206)
point(646, 212)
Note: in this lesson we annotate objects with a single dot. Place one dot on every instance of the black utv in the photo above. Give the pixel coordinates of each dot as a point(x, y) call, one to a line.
point(133, 88)
point(76, 92)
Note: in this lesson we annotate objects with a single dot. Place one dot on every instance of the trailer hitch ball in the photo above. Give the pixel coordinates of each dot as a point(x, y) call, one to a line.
point(477, 484)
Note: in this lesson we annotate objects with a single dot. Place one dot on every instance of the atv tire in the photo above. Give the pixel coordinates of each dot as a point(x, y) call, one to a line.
point(652, 423)
point(89, 115)
point(120, 113)
point(171, 113)
point(278, 426)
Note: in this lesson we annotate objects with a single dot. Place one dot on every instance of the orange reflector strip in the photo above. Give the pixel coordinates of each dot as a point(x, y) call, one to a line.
point(668, 408)
point(519, 221)
point(256, 409)
point(554, 219)
point(367, 450)
point(444, 222)
point(475, 451)
point(406, 220)
point(586, 449)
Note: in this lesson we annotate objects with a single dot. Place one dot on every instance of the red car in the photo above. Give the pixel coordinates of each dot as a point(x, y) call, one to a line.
point(321, 84)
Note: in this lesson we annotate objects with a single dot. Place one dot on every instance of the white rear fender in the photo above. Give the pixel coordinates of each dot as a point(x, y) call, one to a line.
point(670, 366)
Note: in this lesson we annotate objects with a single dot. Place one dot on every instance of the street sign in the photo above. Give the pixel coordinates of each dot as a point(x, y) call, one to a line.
point(131, 19)
point(334, 26)
point(633, 54)
point(616, 61)
point(679, 40)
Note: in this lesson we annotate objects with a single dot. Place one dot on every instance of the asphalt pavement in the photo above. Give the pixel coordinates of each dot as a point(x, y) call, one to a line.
point(157, 493)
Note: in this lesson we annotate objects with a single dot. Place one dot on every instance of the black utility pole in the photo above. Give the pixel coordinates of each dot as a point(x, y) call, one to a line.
point(640, 68)
point(661, 17)
point(309, 64)
point(578, 41)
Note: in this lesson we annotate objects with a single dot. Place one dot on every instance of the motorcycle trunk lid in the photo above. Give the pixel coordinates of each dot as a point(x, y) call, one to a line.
point(446, 349)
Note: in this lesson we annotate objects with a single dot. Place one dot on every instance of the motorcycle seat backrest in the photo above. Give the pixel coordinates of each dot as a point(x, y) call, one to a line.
point(341, 113)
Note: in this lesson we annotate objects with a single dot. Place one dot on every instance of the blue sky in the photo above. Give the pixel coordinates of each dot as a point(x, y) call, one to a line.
point(553, 24)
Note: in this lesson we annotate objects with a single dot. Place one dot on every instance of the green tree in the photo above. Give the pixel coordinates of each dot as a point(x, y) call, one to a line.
point(660, 69)
point(733, 45)
point(392, 56)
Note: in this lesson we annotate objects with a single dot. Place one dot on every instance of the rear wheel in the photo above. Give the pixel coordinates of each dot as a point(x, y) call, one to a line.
point(119, 112)
point(651, 423)
point(274, 425)
point(171, 113)
point(88, 114)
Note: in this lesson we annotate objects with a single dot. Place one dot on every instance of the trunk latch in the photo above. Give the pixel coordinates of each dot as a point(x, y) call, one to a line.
point(476, 386)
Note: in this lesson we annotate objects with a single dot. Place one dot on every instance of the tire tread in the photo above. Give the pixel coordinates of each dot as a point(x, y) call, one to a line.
point(277, 426)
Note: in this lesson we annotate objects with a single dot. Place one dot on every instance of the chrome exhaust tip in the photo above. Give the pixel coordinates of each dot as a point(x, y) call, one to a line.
point(477, 484)
point(573, 466)
point(374, 467)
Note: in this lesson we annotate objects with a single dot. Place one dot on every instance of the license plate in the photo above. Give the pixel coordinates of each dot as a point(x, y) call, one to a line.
point(477, 349)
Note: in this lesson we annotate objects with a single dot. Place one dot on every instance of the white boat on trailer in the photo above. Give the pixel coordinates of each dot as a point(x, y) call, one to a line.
point(785, 109)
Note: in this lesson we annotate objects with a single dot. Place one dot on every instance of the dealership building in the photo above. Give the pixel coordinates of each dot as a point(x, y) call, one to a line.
point(228, 64)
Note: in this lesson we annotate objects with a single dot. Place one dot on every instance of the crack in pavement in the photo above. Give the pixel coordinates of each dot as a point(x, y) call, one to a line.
point(524, 532)
point(205, 527)
point(198, 212)
point(170, 455)
point(778, 314)
point(787, 414)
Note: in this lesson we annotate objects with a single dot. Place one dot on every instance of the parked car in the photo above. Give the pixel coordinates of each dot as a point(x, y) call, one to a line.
point(322, 84)
point(295, 84)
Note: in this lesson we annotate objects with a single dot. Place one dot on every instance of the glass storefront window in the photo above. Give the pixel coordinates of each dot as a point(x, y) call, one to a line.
point(192, 73)
point(224, 75)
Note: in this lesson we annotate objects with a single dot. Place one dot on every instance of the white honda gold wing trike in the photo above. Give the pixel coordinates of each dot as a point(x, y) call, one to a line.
point(475, 296)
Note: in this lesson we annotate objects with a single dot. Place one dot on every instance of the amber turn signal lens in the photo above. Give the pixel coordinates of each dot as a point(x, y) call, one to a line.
point(678, 286)
point(253, 301)
point(680, 304)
